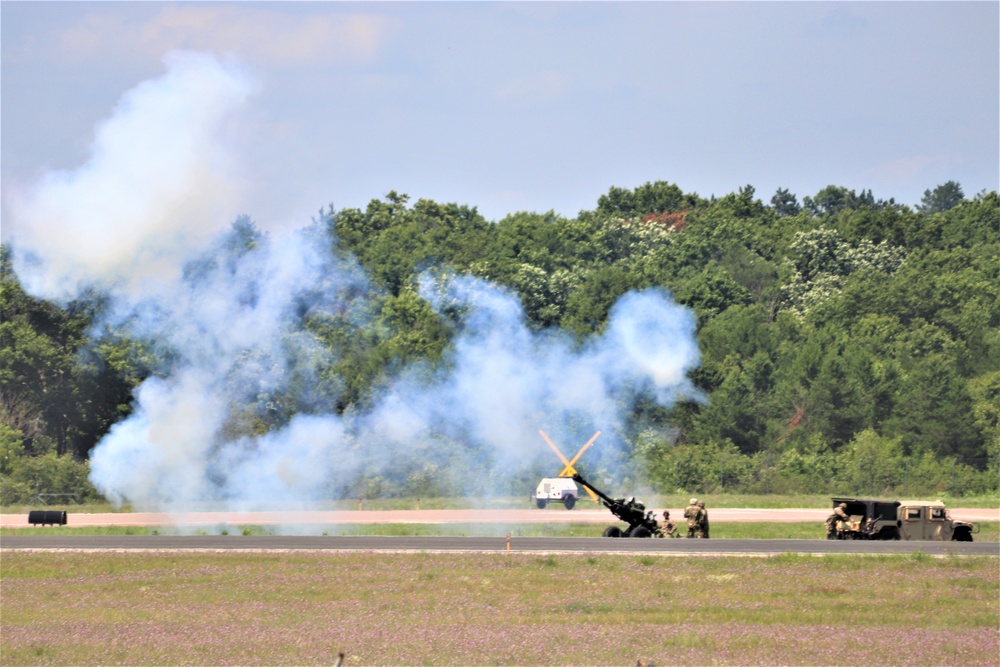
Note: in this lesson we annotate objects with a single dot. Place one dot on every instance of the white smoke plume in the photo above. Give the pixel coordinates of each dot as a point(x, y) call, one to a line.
point(506, 381)
point(232, 326)
point(146, 220)
point(160, 180)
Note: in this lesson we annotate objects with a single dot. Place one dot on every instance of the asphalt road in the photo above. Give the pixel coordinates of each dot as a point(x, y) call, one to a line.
point(676, 547)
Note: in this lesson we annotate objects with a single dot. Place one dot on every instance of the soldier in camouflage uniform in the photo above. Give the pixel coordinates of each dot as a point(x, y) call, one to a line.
point(691, 513)
point(839, 514)
point(668, 527)
point(703, 518)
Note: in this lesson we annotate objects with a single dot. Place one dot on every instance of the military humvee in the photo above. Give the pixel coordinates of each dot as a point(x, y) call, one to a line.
point(900, 520)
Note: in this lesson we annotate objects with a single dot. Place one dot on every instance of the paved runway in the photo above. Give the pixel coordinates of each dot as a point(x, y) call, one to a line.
point(676, 547)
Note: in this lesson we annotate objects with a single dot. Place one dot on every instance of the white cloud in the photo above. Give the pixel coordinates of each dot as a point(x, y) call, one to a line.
point(906, 170)
point(280, 38)
point(541, 88)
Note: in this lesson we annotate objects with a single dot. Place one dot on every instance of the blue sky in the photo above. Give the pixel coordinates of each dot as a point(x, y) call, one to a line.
point(530, 106)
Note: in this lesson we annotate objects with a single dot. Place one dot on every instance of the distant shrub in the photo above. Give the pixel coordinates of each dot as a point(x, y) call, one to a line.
point(54, 479)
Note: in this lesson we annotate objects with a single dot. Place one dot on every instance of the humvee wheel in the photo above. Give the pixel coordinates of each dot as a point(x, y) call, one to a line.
point(962, 534)
point(640, 531)
point(569, 501)
point(888, 534)
point(540, 502)
point(612, 531)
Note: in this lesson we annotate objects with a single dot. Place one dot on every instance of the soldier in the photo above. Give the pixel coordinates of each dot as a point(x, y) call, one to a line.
point(703, 518)
point(668, 527)
point(839, 514)
point(868, 527)
point(691, 514)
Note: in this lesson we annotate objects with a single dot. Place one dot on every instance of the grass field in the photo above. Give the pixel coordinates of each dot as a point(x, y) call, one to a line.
point(295, 608)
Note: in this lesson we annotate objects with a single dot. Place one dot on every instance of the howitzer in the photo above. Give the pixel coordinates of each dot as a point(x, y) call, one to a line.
point(640, 522)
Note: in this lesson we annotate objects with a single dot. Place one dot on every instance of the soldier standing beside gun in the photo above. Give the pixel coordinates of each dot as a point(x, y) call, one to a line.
point(703, 518)
point(691, 514)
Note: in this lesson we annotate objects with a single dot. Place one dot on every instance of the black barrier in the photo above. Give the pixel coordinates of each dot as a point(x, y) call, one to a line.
point(47, 517)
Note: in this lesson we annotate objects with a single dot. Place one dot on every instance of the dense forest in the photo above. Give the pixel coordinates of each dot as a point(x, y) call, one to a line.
point(848, 344)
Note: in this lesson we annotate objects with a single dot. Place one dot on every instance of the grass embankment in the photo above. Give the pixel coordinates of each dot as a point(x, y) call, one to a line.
point(496, 609)
point(674, 501)
point(989, 531)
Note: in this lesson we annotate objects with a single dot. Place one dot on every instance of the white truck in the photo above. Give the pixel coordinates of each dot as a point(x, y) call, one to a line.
point(557, 490)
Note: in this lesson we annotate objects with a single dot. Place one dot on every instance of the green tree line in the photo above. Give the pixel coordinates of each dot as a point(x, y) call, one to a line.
point(848, 344)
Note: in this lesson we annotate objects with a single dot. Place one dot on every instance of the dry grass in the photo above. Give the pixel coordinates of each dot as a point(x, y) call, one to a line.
point(297, 608)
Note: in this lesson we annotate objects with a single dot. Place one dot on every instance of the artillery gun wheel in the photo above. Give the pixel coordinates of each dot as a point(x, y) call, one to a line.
point(612, 531)
point(569, 501)
point(640, 531)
